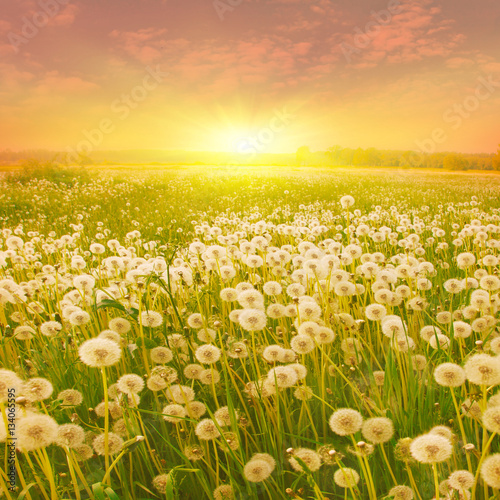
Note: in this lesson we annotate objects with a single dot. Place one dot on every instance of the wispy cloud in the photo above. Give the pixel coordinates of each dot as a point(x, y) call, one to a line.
point(265, 52)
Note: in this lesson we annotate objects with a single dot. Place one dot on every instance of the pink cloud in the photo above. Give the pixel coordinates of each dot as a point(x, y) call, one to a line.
point(66, 17)
point(416, 33)
point(144, 45)
point(5, 26)
point(254, 61)
point(53, 81)
point(317, 10)
point(14, 77)
point(304, 49)
point(302, 25)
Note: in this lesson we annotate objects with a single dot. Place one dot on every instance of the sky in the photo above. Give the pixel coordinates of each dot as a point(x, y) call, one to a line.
point(229, 75)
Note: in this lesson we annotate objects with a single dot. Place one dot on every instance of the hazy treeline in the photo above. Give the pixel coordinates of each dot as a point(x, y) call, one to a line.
point(337, 155)
point(333, 156)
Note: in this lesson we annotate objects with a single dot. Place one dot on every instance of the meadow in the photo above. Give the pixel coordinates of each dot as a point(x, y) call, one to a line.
point(249, 333)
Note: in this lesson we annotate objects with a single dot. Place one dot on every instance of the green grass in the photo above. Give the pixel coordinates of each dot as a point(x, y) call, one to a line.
point(58, 219)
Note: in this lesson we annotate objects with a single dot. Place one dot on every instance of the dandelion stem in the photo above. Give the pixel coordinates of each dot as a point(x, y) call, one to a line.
point(436, 480)
point(35, 474)
point(461, 425)
point(112, 466)
point(106, 419)
point(382, 449)
point(481, 460)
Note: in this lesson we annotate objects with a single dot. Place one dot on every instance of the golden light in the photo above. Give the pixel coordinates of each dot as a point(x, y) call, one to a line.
point(233, 140)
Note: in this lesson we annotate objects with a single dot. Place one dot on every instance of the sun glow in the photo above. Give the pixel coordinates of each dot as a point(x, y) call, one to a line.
point(233, 140)
point(247, 141)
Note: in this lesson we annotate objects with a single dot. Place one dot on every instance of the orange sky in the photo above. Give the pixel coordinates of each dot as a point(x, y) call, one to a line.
point(278, 74)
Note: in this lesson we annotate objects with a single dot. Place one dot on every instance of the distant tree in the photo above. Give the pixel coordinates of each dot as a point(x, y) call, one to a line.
point(334, 155)
point(389, 158)
point(410, 159)
point(359, 157)
point(496, 160)
point(454, 162)
point(347, 156)
point(303, 155)
point(373, 157)
point(435, 160)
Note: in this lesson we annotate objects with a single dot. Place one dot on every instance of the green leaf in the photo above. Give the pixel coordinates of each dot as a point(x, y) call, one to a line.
point(98, 491)
point(139, 485)
point(96, 476)
point(169, 491)
point(131, 445)
point(111, 303)
point(111, 494)
point(148, 343)
point(23, 493)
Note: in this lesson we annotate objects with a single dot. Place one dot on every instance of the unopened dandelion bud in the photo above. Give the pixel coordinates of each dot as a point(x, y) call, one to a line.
point(402, 450)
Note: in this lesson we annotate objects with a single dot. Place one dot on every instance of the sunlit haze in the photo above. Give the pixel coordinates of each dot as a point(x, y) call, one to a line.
point(260, 75)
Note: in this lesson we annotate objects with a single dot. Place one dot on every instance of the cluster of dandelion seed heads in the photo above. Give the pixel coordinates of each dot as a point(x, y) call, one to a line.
point(278, 309)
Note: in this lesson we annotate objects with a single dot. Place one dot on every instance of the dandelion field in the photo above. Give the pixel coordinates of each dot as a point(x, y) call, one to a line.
point(250, 334)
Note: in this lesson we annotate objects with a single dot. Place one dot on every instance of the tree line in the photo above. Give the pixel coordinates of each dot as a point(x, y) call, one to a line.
point(333, 156)
point(372, 157)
